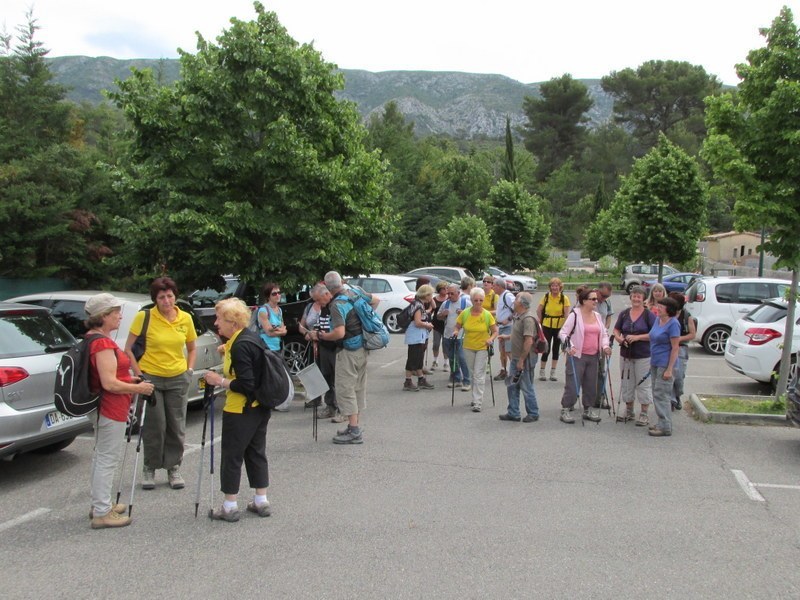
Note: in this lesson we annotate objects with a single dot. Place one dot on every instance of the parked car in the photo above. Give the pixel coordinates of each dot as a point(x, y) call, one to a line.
point(677, 282)
point(452, 274)
point(718, 302)
point(636, 274)
point(756, 342)
point(393, 291)
point(521, 283)
point(31, 345)
point(296, 350)
point(68, 308)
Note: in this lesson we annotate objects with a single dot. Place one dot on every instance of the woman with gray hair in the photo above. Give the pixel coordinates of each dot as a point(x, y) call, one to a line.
point(480, 331)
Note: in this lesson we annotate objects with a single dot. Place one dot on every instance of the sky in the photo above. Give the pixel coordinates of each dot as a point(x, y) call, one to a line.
point(528, 41)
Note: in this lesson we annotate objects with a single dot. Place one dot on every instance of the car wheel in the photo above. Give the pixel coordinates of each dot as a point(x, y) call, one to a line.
point(631, 285)
point(54, 447)
point(390, 320)
point(715, 339)
point(773, 381)
point(296, 355)
point(517, 286)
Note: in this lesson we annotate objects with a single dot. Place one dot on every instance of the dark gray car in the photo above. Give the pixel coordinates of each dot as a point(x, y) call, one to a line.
point(31, 345)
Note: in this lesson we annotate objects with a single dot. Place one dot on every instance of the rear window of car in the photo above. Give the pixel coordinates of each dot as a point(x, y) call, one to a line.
point(766, 313)
point(24, 333)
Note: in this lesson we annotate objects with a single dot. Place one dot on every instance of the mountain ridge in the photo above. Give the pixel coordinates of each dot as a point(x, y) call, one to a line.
point(464, 105)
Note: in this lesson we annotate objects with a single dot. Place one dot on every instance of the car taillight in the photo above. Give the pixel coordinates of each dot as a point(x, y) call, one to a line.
point(756, 336)
point(410, 298)
point(10, 375)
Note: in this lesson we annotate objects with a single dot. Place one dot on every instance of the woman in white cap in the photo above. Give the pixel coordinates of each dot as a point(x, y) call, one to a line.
point(109, 372)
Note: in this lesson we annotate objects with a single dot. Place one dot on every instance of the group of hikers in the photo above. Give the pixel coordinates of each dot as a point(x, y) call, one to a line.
point(461, 323)
point(465, 320)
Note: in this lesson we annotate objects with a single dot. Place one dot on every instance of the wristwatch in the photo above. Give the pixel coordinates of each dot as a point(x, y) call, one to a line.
point(190, 371)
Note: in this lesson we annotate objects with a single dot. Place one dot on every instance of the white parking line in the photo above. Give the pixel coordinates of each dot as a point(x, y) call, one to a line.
point(778, 486)
point(747, 486)
point(394, 362)
point(192, 448)
point(24, 518)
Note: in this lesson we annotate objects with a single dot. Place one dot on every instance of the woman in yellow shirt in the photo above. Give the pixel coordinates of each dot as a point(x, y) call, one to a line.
point(480, 330)
point(552, 310)
point(244, 422)
point(169, 332)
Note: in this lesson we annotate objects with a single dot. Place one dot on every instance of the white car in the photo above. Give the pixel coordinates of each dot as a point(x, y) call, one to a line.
point(392, 290)
point(454, 274)
point(68, 308)
point(718, 302)
point(756, 342)
point(522, 283)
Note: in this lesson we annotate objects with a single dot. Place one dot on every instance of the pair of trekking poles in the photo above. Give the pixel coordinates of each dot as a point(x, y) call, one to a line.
point(602, 400)
point(132, 422)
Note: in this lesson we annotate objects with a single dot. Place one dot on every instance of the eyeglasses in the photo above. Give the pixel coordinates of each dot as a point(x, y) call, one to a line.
point(488, 281)
point(276, 293)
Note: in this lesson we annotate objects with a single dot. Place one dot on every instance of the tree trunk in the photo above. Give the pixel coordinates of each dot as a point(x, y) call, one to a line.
point(786, 354)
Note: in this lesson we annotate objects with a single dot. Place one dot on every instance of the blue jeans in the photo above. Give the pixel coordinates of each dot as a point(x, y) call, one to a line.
point(462, 370)
point(525, 386)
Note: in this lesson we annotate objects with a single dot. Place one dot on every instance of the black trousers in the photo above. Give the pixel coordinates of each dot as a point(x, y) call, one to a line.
point(326, 361)
point(244, 438)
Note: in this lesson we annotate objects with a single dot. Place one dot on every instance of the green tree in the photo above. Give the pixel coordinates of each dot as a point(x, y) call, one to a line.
point(661, 97)
point(753, 145)
point(465, 241)
point(518, 229)
point(509, 168)
point(555, 129)
point(249, 164)
point(659, 212)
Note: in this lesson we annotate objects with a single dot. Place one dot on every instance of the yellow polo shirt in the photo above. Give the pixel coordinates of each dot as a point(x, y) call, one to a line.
point(476, 329)
point(490, 302)
point(164, 352)
point(234, 401)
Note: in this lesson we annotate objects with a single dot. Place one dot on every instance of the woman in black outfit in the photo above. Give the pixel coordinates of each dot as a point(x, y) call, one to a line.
point(244, 422)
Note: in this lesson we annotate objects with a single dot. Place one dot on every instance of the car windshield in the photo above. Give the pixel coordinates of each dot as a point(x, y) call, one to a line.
point(28, 333)
point(210, 296)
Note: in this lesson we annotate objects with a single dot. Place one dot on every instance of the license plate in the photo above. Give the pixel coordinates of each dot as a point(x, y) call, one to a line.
point(54, 418)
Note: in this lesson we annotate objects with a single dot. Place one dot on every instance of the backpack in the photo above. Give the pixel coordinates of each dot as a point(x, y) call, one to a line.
point(274, 386)
point(407, 315)
point(139, 346)
point(374, 335)
point(71, 393)
point(254, 325)
point(540, 345)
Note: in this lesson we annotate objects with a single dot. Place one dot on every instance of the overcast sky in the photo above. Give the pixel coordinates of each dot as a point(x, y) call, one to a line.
point(529, 41)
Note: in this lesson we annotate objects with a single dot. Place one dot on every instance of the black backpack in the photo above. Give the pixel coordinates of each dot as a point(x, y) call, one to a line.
point(139, 346)
point(274, 385)
point(71, 393)
point(407, 315)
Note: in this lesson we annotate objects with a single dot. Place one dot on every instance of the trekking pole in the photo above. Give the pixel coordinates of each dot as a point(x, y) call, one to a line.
point(454, 370)
point(577, 385)
point(611, 409)
point(146, 400)
point(211, 458)
point(611, 392)
point(207, 393)
point(490, 352)
point(315, 426)
point(131, 421)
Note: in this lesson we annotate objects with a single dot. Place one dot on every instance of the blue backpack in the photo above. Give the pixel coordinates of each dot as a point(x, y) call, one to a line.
point(374, 335)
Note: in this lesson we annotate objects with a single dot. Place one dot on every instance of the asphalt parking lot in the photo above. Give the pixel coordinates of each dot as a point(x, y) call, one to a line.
point(439, 502)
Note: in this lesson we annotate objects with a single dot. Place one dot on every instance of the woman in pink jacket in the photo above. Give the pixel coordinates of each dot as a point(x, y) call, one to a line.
point(585, 340)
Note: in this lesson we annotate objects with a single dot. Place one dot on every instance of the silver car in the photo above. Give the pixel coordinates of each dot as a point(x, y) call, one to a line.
point(31, 345)
point(68, 308)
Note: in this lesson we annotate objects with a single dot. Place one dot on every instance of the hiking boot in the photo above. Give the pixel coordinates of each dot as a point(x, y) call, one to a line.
point(408, 386)
point(593, 415)
point(476, 408)
point(501, 375)
point(630, 415)
point(350, 436)
point(423, 384)
point(445, 367)
point(148, 479)
point(530, 418)
point(566, 417)
point(117, 508)
point(677, 404)
point(326, 413)
point(659, 432)
point(220, 514)
point(312, 403)
point(507, 417)
point(454, 384)
point(642, 420)
point(542, 376)
point(466, 387)
point(262, 510)
point(110, 519)
point(176, 482)
point(339, 418)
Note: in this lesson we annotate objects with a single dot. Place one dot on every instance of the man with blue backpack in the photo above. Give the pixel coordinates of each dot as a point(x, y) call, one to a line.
point(351, 354)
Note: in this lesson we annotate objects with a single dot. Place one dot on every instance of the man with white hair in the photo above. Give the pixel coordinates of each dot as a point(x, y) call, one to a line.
point(503, 314)
point(524, 332)
point(351, 364)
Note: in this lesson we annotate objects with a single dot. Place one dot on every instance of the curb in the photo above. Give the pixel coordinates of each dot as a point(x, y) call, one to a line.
point(707, 416)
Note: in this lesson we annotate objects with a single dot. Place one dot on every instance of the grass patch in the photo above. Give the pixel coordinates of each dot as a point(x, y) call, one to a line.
point(742, 405)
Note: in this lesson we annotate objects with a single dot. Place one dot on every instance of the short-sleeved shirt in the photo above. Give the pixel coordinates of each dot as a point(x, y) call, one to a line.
point(453, 310)
point(490, 300)
point(166, 342)
point(113, 406)
point(660, 345)
point(642, 325)
point(505, 308)
point(605, 310)
point(553, 310)
point(342, 313)
point(477, 329)
point(522, 326)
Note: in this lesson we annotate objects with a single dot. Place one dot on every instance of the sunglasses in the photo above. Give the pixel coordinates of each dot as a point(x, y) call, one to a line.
point(276, 293)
